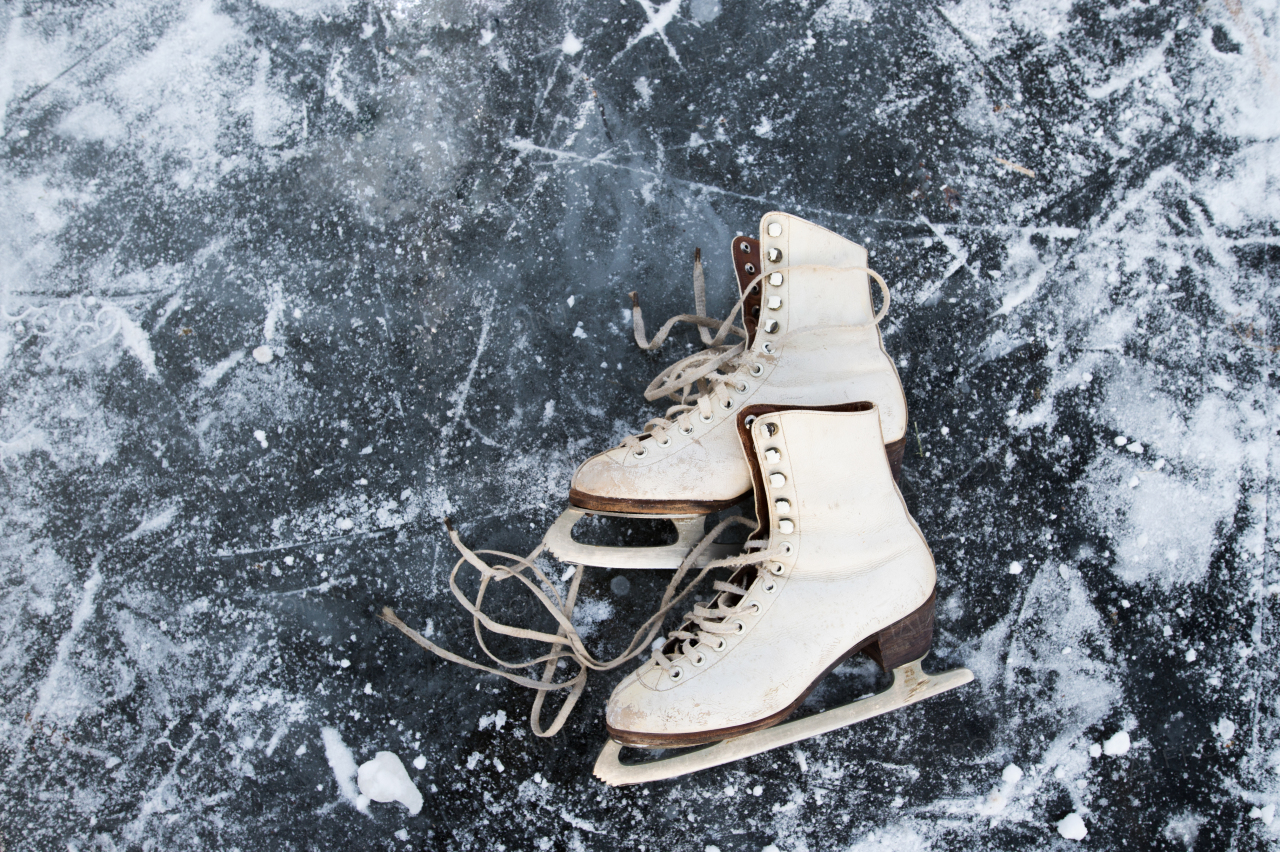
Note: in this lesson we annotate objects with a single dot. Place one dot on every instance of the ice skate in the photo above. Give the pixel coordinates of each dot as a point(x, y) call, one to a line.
point(810, 336)
point(837, 567)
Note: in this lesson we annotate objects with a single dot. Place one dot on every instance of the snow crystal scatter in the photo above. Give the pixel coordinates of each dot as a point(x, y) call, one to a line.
point(384, 779)
point(493, 720)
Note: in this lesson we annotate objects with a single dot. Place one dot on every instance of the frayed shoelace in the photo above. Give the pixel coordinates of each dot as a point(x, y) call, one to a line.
point(566, 643)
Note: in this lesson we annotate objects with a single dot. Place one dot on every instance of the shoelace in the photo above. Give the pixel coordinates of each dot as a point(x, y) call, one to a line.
point(566, 643)
point(704, 378)
point(708, 624)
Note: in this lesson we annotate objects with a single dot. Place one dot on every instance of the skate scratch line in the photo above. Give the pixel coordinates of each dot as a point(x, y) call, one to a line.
point(658, 20)
point(525, 146)
point(459, 397)
point(227, 554)
point(48, 692)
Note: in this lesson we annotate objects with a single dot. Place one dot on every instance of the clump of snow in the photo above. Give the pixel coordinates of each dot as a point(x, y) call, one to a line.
point(493, 720)
point(1072, 827)
point(571, 46)
point(1225, 728)
point(1117, 745)
point(1015, 567)
point(263, 354)
point(384, 779)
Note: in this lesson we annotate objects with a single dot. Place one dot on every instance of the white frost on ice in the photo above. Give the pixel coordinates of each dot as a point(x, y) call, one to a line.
point(384, 779)
point(210, 377)
point(342, 762)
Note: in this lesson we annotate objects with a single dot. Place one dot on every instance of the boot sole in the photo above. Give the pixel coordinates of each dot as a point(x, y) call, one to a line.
point(904, 641)
point(595, 503)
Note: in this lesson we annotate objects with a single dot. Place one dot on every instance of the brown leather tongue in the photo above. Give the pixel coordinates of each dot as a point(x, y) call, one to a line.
point(746, 263)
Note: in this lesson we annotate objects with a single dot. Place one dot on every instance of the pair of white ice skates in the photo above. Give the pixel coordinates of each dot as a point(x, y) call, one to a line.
point(806, 414)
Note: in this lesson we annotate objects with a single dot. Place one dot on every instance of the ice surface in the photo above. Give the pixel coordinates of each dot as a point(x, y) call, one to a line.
point(431, 216)
point(384, 779)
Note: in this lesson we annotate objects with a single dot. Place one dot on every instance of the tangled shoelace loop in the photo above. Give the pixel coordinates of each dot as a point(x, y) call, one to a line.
point(566, 643)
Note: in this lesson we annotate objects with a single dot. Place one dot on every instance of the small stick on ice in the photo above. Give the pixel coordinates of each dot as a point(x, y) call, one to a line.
point(1017, 168)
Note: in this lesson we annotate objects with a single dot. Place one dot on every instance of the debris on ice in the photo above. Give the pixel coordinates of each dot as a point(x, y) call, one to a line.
point(1072, 827)
point(384, 779)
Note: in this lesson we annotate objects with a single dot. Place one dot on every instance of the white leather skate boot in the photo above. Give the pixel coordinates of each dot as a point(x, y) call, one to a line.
point(840, 567)
point(816, 341)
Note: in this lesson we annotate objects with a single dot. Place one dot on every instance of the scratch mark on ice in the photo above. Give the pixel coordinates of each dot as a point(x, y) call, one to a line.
point(459, 397)
point(659, 19)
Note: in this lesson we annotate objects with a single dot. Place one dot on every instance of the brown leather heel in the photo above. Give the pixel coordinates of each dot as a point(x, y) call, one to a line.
point(905, 640)
point(896, 451)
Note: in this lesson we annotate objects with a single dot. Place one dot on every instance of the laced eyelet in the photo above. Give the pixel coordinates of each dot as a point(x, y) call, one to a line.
point(705, 418)
point(742, 387)
point(769, 587)
point(757, 369)
point(727, 404)
point(684, 431)
point(700, 660)
point(777, 568)
point(754, 606)
point(769, 326)
point(665, 442)
point(723, 644)
point(677, 673)
point(768, 347)
point(738, 626)
point(641, 452)
point(786, 548)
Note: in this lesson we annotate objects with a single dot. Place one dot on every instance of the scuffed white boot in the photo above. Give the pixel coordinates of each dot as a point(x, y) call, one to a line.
point(816, 341)
point(840, 567)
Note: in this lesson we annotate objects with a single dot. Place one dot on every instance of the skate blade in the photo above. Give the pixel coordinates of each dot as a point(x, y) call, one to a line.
point(689, 530)
point(910, 685)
